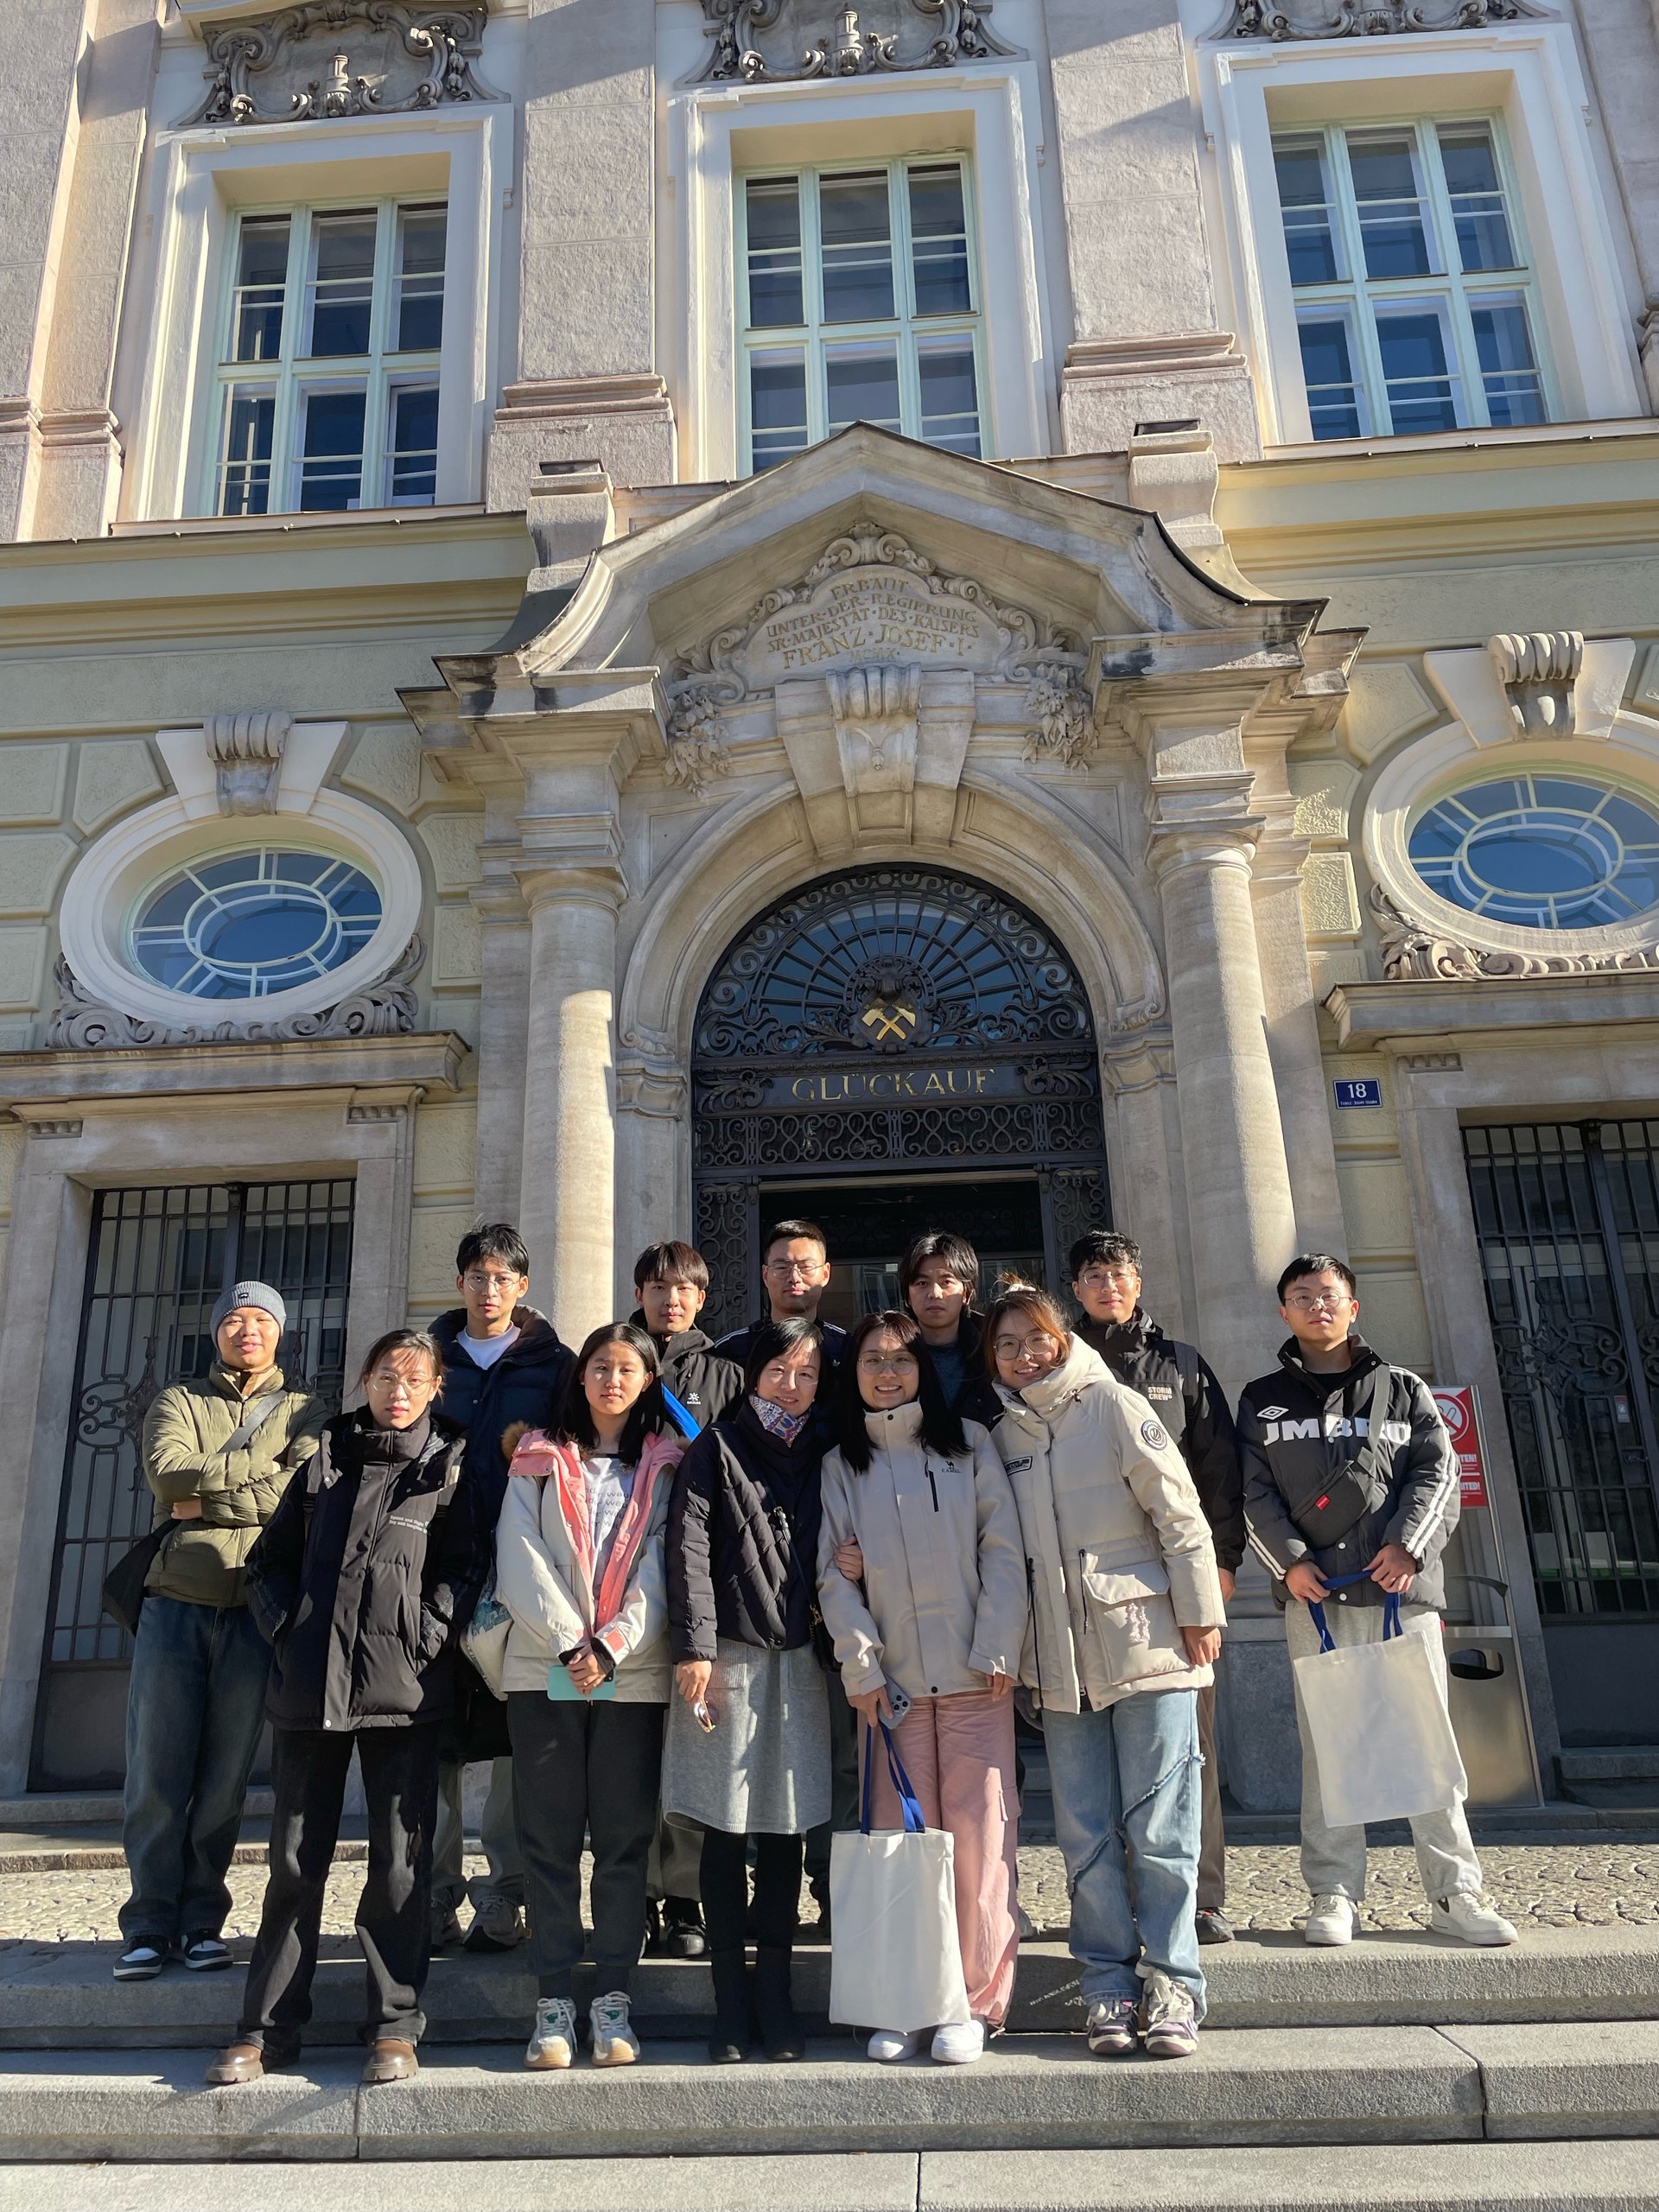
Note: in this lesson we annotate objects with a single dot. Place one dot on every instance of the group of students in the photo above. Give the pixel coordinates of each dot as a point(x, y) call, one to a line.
point(716, 1570)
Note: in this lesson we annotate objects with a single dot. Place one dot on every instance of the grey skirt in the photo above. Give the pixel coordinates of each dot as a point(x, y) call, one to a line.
point(765, 1767)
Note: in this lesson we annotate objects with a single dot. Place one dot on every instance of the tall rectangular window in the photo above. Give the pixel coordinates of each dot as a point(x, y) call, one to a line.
point(327, 375)
point(1415, 307)
point(859, 303)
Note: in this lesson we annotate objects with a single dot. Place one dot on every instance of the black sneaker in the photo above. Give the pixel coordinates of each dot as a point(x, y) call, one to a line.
point(1214, 1927)
point(683, 1936)
point(205, 1954)
point(141, 1962)
point(654, 1944)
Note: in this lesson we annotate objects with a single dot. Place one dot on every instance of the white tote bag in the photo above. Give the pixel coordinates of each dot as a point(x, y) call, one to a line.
point(894, 1958)
point(1380, 1731)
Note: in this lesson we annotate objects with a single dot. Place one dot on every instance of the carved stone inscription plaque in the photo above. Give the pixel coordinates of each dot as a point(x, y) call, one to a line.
point(871, 616)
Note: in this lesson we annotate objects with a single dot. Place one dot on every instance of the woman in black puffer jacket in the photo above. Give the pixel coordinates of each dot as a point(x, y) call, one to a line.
point(747, 1750)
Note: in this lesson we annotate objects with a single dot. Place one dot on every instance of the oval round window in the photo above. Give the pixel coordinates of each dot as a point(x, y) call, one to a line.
point(1542, 852)
point(242, 926)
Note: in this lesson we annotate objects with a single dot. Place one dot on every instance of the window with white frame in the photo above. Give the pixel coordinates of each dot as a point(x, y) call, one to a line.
point(859, 301)
point(327, 364)
point(1415, 306)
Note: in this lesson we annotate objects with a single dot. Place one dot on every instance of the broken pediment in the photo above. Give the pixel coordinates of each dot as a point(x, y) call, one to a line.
point(770, 42)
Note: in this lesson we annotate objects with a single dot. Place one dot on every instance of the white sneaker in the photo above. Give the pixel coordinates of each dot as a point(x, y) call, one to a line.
point(887, 2045)
point(614, 2042)
point(552, 2045)
point(1331, 1920)
point(960, 2043)
point(1023, 1922)
point(1471, 1918)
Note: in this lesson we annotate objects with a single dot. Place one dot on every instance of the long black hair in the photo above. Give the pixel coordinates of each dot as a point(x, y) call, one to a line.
point(942, 1429)
point(646, 1415)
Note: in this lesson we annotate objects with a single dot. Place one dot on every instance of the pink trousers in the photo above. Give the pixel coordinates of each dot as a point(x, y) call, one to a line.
point(958, 1752)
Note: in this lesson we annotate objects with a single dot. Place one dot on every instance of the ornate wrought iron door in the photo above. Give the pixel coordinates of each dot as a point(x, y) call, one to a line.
point(894, 1017)
point(1568, 1217)
point(158, 1261)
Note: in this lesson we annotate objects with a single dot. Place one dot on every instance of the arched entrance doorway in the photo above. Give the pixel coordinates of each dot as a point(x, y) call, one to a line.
point(888, 1049)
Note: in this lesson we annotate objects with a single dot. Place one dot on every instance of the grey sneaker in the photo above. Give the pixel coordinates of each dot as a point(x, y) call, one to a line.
point(614, 2042)
point(552, 2045)
point(497, 1924)
point(1169, 2020)
point(1112, 2027)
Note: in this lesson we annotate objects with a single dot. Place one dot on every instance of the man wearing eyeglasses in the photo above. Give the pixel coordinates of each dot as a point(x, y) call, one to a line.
point(503, 1364)
point(795, 1273)
point(1351, 1493)
point(1187, 1398)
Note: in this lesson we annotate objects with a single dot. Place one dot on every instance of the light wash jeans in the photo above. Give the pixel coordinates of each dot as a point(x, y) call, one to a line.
point(195, 1702)
point(1128, 1813)
point(496, 1832)
point(1333, 1859)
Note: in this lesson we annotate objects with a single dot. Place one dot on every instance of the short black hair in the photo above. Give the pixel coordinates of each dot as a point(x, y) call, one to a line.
point(403, 1340)
point(787, 1232)
point(1315, 1264)
point(773, 1339)
point(942, 1430)
point(1103, 1245)
point(957, 1252)
point(646, 1416)
point(494, 1240)
point(672, 1262)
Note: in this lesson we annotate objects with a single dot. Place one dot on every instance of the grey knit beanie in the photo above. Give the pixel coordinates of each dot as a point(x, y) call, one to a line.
point(251, 1293)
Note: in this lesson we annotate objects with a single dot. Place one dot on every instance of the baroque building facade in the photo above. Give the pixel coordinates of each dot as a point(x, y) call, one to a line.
point(638, 614)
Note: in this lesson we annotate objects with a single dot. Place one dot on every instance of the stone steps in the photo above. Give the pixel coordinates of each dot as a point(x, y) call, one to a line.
point(1611, 2176)
point(1317, 2087)
point(61, 1997)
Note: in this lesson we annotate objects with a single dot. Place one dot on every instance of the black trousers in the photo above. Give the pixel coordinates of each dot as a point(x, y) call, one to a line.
point(394, 1913)
point(581, 1771)
point(726, 1889)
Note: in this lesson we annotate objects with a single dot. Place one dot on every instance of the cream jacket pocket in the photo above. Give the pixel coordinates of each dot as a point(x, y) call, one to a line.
point(1129, 1609)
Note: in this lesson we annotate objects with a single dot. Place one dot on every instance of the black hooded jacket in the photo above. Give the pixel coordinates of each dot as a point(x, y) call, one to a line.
point(1184, 1392)
point(365, 1574)
point(733, 1570)
point(1298, 1431)
point(526, 1384)
point(706, 1382)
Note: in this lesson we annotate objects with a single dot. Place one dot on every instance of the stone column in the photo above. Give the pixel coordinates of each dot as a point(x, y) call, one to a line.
point(503, 1046)
point(1293, 1033)
point(1241, 1220)
point(568, 1206)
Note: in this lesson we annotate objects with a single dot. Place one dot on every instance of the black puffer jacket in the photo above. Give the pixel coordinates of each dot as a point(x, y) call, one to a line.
point(731, 1568)
point(1298, 1431)
point(707, 1385)
point(525, 1384)
point(1184, 1392)
point(369, 1565)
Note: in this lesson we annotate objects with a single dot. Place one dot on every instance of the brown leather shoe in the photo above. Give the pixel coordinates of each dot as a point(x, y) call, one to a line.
point(237, 2061)
point(390, 2060)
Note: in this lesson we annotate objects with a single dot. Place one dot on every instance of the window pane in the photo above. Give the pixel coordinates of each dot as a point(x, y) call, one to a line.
point(331, 446)
point(939, 235)
point(863, 385)
point(949, 396)
point(1334, 403)
point(342, 284)
point(1305, 197)
point(776, 407)
point(412, 425)
point(244, 470)
point(1421, 392)
point(857, 245)
point(1391, 217)
point(1514, 390)
point(775, 283)
point(419, 319)
point(261, 275)
point(1470, 160)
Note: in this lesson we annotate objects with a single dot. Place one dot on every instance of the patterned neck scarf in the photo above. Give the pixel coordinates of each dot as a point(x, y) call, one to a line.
point(776, 1422)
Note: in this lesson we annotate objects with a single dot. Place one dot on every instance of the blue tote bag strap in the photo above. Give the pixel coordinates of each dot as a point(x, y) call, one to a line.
point(690, 1425)
point(910, 1804)
point(1316, 1613)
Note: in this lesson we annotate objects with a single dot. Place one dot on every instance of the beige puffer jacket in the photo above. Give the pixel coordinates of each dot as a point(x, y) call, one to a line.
point(1117, 1549)
point(944, 1600)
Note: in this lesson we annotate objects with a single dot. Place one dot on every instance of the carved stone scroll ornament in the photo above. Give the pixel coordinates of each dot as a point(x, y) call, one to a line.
point(1416, 953)
point(1370, 18)
point(760, 41)
point(876, 712)
point(246, 750)
point(343, 57)
point(81, 1024)
point(697, 751)
point(1538, 672)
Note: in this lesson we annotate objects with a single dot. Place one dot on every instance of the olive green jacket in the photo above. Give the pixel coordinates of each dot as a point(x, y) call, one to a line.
point(185, 1434)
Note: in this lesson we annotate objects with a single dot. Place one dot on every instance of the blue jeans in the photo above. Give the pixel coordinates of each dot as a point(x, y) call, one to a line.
point(1127, 1814)
point(195, 1704)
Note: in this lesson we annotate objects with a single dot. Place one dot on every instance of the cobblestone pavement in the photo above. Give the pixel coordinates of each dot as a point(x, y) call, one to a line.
point(1596, 1885)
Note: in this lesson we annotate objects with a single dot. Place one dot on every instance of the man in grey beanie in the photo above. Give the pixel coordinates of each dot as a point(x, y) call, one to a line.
point(217, 1454)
